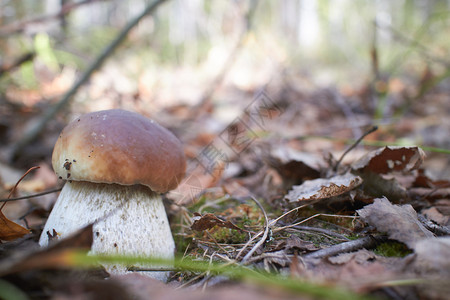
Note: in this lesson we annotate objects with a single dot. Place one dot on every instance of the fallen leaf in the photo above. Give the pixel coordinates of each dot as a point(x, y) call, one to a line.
point(430, 194)
point(59, 255)
point(390, 159)
point(376, 185)
point(360, 270)
point(431, 264)
point(91, 288)
point(432, 256)
point(323, 188)
point(422, 180)
point(436, 216)
point(143, 287)
point(361, 256)
point(363, 272)
point(294, 166)
point(296, 243)
point(9, 230)
point(208, 221)
point(399, 222)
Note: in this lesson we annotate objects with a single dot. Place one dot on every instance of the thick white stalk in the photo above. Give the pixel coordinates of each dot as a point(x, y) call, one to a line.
point(130, 220)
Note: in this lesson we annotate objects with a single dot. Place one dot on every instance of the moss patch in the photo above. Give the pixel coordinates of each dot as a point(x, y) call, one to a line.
point(392, 249)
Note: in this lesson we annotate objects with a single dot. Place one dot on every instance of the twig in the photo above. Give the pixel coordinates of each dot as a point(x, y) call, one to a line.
point(278, 254)
point(273, 222)
point(365, 242)
point(31, 196)
point(215, 242)
point(309, 218)
point(190, 281)
point(321, 230)
point(31, 134)
point(15, 186)
point(433, 227)
point(264, 237)
point(336, 166)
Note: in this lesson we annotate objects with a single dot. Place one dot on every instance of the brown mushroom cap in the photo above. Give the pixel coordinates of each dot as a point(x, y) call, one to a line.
point(118, 146)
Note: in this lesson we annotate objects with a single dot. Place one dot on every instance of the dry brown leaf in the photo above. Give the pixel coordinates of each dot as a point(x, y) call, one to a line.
point(295, 242)
point(360, 271)
point(399, 222)
point(208, 221)
point(436, 216)
point(363, 275)
point(390, 159)
point(9, 230)
point(432, 256)
point(142, 287)
point(430, 194)
point(422, 180)
point(295, 165)
point(323, 188)
point(93, 287)
point(57, 256)
point(377, 185)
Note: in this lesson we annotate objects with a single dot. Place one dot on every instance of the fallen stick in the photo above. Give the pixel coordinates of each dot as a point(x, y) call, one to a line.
point(365, 242)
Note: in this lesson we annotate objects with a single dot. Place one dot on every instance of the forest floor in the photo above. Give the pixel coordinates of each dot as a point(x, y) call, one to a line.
point(269, 187)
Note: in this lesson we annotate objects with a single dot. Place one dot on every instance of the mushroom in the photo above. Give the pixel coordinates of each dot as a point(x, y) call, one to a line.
point(116, 163)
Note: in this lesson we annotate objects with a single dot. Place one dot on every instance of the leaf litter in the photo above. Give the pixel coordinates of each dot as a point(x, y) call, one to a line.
point(291, 250)
point(322, 188)
point(382, 197)
point(208, 221)
point(398, 222)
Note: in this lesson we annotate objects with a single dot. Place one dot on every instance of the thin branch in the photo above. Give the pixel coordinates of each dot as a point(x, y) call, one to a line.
point(310, 218)
point(365, 242)
point(272, 223)
point(15, 186)
point(264, 237)
point(321, 230)
point(31, 196)
point(31, 134)
point(433, 227)
point(374, 128)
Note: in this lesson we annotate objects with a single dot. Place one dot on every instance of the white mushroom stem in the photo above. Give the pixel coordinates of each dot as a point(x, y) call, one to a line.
point(131, 220)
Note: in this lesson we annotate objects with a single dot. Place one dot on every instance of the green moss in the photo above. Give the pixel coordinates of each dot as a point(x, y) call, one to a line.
point(228, 236)
point(392, 249)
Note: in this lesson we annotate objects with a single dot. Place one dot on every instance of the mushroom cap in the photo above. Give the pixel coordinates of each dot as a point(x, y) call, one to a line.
point(122, 147)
